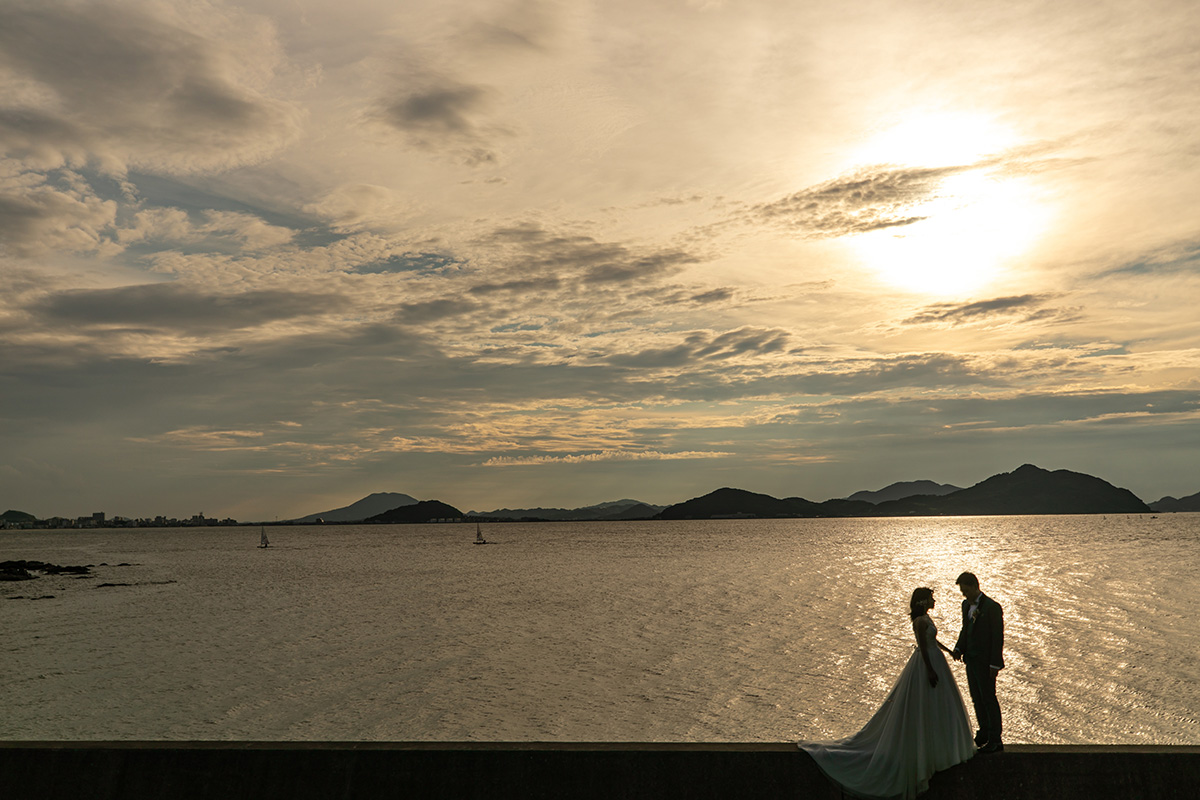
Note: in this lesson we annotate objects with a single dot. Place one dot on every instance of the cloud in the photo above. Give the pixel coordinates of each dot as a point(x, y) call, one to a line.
point(532, 285)
point(167, 306)
point(445, 115)
point(605, 455)
point(1025, 308)
point(525, 26)
point(705, 346)
point(217, 230)
point(534, 249)
point(138, 84)
point(39, 215)
point(868, 200)
point(361, 206)
point(434, 310)
point(713, 296)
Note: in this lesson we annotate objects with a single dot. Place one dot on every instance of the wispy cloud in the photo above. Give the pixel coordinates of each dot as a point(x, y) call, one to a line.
point(1024, 308)
point(867, 200)
point(167, 306)
point(606, 455)
point(706, 346)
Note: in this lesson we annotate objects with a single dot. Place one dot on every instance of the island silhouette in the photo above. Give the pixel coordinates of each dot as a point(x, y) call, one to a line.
point(1026, 490)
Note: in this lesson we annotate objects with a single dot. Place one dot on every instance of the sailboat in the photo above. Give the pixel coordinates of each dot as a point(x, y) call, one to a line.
point(262, 537)
point(479, 535)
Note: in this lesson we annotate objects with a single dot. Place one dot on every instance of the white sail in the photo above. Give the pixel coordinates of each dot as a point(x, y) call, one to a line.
point(263, 541)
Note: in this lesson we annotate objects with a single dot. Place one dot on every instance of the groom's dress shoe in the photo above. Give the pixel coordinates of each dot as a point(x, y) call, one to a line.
point(980, 738)
point(992, 747)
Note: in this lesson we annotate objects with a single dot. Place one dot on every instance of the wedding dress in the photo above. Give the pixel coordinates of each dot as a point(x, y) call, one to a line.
point(919, 730)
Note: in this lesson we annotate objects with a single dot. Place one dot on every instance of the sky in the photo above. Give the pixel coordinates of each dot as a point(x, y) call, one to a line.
point(261, 259)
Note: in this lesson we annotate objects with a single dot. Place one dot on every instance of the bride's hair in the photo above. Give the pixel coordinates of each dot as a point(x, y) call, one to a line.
point(922, 599)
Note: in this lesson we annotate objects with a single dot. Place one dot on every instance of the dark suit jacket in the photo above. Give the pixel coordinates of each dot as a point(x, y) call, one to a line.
point(984, 638)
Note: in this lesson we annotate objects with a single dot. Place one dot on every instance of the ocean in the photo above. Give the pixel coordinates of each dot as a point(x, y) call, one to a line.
point(707, 631)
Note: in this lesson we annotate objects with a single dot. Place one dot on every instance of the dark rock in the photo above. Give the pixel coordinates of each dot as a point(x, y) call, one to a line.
point(15, 574)
point(42, 566)
point(51, 569)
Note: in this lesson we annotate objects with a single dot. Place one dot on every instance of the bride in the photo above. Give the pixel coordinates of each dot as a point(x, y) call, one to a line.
point(921, 727)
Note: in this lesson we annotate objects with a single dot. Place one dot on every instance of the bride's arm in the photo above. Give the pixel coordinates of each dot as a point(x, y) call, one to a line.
point(919, 627)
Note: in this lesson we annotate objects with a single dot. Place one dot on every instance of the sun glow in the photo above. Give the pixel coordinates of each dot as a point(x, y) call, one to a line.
point(970, 225)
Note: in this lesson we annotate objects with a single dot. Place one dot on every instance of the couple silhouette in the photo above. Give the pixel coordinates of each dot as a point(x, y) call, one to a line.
point(922, 727)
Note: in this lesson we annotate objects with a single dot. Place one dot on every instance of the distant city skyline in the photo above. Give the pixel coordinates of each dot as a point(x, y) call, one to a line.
point(262, 258)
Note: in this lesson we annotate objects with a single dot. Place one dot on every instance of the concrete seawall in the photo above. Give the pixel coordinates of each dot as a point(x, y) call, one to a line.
point(348, 771)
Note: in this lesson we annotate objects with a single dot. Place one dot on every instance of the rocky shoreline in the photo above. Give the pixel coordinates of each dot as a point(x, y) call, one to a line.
point(21, 570)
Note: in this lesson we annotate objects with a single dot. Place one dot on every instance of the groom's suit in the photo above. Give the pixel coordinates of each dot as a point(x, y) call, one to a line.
point(981, 643)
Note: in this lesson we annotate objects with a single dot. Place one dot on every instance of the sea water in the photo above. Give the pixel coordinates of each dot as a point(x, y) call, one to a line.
point(721, 630)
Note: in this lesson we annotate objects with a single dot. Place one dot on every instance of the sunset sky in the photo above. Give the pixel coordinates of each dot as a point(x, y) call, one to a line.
point(260, 259)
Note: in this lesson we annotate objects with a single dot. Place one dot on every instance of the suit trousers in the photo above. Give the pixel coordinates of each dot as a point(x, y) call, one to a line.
point(981, 681)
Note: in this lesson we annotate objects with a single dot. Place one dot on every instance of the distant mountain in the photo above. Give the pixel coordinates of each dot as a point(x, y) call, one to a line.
point(17, 516)
point(424, 511)
point(846, 508)
point(903, 489)
point(635, 511)
point(369, 506)
point(1025, 490)
point(615, 509)
point(1168, 503)
point(734, 503)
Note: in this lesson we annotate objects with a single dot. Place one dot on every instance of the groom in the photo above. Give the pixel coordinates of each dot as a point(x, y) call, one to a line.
point(981, 645)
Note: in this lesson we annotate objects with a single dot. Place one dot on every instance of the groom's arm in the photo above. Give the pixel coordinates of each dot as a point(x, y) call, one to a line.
point(958, 643)
point(996, 640)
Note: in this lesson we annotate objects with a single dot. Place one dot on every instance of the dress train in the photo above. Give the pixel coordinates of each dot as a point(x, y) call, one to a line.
point(917, 731)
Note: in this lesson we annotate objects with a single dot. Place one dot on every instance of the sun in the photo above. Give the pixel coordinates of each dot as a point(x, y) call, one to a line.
point(978, 219)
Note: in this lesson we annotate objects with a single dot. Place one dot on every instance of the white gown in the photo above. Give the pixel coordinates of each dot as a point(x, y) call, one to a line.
point(919, 730)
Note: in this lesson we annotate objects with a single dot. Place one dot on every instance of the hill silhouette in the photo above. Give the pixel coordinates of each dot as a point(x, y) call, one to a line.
point(424, 511)
point(369, 506)
point(729, 502)
point(615, 509)
point(1168, 503)
point(635, 511)
point(1026, 490)
point(898, 491)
